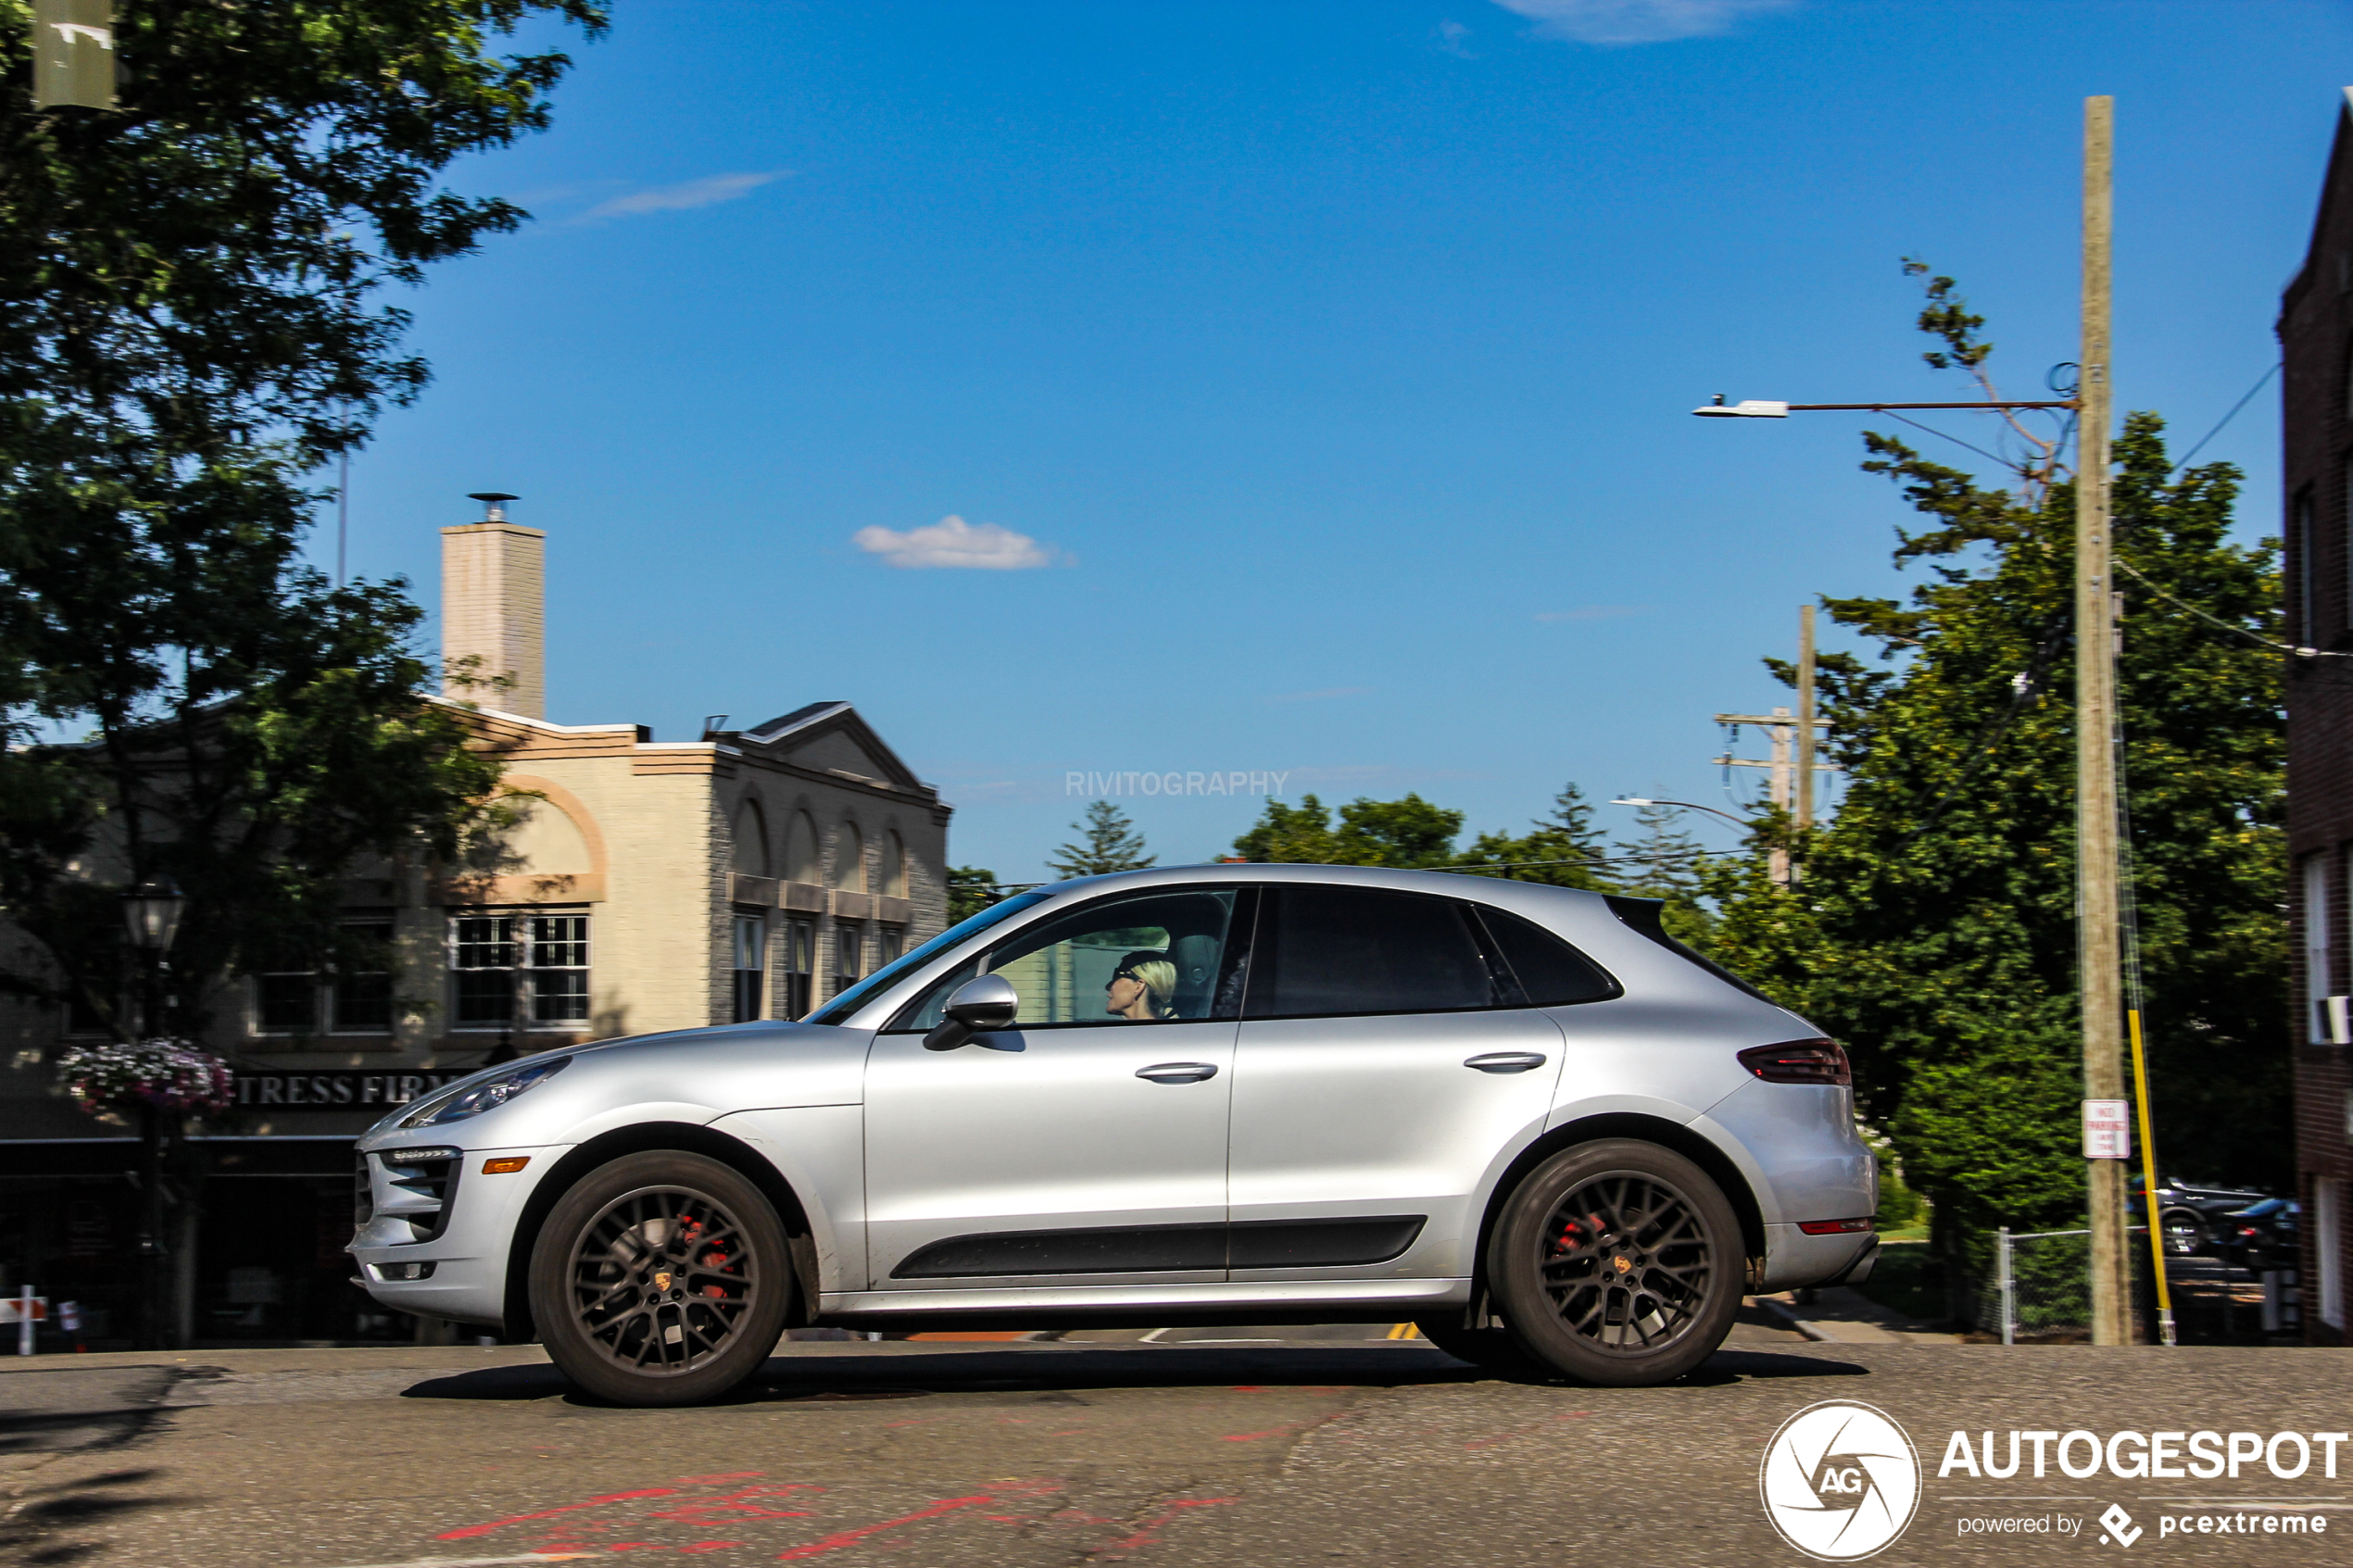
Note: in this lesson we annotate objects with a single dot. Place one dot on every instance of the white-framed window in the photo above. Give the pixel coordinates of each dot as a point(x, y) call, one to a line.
point(509, 970)
point(353, 996)
point(799, 967)
point(2319, 972)
point(849, 859)
point(850, 954)
point(751, 964)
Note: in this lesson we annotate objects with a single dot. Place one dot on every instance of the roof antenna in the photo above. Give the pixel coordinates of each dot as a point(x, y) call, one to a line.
point(491, 510)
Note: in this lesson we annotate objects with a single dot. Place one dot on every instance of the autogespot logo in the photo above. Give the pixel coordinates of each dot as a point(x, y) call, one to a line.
point(1840, 1481)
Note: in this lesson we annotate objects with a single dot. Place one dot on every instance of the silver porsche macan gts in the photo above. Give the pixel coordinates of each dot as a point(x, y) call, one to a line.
point(1521, 1117)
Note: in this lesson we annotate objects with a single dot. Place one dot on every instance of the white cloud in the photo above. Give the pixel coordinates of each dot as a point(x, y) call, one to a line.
point(1450, 34)
point(1594, 612)
point(709, 191)
point(953, 542)
point(1635, 21)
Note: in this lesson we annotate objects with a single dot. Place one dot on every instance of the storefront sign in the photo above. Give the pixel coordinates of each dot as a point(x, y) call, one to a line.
point(335, 1091)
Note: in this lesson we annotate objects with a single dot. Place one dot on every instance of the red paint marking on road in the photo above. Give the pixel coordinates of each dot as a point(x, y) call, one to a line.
point(472, 1530)
point(1249, 1387)
point(1270, 1432)
point(1143, 1536)
point(841, 1539)
point(700, 1510)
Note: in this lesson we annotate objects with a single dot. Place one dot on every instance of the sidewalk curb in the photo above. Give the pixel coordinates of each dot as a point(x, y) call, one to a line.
point(1780, 1311)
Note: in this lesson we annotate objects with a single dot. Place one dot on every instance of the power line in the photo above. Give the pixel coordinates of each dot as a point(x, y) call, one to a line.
point(2227, 417)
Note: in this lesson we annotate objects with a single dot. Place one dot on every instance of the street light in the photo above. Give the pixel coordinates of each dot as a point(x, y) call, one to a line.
point(1762, 409)
point(151, 914)
point(1741, 823)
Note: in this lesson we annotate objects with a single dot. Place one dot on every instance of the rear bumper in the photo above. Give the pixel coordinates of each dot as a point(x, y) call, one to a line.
point(1793, 1259)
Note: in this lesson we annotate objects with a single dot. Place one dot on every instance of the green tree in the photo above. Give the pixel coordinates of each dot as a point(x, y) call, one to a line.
point(1409, 833)
point(1109, 843)
point(970, 890)
point(1563, 847)
point(1665, 861)
point(189, 327)
point(1934, 931)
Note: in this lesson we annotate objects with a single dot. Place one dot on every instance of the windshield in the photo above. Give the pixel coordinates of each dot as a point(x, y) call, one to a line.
point(849, 1001)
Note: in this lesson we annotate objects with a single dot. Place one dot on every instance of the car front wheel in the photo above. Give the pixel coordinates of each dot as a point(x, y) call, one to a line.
point(1617, 1263)
point(661, 1279)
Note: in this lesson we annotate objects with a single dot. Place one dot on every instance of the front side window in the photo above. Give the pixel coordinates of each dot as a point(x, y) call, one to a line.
point(1157, 957)
point(519, 969)
point(840, 1010)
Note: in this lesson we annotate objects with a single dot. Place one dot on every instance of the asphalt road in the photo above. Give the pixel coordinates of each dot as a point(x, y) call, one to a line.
point(1192, 1449)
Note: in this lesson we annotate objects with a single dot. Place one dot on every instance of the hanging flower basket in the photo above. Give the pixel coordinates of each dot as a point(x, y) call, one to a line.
point(168, 1074)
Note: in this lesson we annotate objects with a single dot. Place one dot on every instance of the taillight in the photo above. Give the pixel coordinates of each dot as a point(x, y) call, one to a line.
point(1800, 1061)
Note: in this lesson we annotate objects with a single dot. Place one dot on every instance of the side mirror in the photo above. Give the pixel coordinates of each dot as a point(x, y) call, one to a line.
point(975, 1007)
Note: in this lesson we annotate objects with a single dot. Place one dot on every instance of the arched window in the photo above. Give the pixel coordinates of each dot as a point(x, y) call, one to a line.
point(800, 849)
point(751, 840)
point(894, 866)
point(849, 859)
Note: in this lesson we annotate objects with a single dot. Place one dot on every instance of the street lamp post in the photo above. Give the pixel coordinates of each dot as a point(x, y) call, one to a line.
point(151, 914)
point(2098, 868)
point(1739, 822)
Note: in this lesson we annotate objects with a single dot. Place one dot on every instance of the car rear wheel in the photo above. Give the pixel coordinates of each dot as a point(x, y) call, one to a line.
point(2184, 1231)
point(661, 1279)
point(1617, 1263)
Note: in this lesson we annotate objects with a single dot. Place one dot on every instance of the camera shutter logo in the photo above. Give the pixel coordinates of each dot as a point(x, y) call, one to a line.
point(1840, 1481)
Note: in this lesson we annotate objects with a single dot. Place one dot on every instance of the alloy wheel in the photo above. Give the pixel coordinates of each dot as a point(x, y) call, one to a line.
point(662, 1279)
point(1625, 1263)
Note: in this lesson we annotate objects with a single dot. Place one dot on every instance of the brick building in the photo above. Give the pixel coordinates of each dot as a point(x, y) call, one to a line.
point(646, 886)
point(2316, 347)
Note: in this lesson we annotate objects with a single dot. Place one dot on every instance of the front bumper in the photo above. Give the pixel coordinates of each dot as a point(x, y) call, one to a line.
point(464, 1231)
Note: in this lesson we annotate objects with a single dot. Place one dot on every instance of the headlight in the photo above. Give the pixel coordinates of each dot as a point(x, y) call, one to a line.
point(484, 1094)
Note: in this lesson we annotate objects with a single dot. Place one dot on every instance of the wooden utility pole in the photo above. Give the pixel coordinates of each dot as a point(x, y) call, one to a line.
point(1805, 807)
point(2099, 946)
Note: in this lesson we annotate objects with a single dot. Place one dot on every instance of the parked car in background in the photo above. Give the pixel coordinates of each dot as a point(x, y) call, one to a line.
point(2262, 1235)
point(2193, 1216)
point(1521, 1117)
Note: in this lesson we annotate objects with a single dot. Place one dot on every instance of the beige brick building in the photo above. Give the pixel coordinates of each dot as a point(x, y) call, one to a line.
point(646, 886)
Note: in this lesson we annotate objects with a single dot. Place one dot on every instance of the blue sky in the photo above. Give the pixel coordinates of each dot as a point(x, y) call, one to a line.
point(1314, 373)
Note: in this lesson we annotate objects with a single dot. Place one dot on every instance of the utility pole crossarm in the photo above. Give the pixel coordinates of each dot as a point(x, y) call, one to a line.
point(1783, 719)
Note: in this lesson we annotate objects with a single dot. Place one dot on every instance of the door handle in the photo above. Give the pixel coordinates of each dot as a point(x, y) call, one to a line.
point(1178, 1071)
point(1506, 1061)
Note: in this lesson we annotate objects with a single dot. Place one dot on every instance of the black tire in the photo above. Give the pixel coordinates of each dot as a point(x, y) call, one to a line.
point(2185, 1232)
point(661, 1279)
point(1490, 1350)
point(1617, 1263)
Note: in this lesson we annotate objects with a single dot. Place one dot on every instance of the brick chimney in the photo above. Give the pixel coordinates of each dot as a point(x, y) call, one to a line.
point(493, 597)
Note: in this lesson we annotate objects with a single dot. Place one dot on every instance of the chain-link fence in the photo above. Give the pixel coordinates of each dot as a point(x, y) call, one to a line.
point(2040, 1290)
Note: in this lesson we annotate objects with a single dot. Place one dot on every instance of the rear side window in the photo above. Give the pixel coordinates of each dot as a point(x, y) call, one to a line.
point(1328, 950)
point(1550, 973)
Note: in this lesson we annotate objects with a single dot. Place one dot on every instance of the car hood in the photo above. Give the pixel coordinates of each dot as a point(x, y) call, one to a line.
point(692, 1075)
